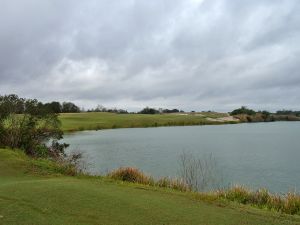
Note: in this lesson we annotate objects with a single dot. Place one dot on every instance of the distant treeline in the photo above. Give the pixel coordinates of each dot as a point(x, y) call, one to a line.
point(21, 105)
point(148, 110)
point(288, 112)
point(101, 108)
point(65, 107)
point(245, 114)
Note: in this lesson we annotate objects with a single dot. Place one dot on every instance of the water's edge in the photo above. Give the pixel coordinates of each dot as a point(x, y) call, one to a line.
point(253, 154)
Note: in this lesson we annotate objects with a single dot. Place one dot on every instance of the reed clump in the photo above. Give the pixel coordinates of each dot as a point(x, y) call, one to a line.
point(262, 198)
point(177, 184)
point(134, 175)
point(130, 174)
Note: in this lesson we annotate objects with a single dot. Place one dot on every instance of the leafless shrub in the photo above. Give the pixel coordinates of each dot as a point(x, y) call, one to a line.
point(75, 161)
point(176, 184)
point(198, 173)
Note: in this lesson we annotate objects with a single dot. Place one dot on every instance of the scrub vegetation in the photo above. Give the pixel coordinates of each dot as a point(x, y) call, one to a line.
point(249, 115)
point(29, 125)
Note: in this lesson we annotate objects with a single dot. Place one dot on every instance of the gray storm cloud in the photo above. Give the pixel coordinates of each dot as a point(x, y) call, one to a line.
point(190, 54)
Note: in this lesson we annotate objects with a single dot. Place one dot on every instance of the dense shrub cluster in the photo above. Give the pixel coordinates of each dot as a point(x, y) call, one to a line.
point(29, 125)
point(243, 110)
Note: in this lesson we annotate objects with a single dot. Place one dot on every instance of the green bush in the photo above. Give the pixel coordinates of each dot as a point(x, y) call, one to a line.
point(27, 124)
point(243, 110)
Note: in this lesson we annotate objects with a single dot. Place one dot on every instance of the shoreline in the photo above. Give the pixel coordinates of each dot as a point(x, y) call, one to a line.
point(160, 126)
point(100, 121)
point(166, 126)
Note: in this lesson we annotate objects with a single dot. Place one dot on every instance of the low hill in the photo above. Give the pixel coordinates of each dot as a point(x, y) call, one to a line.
point(103, 120)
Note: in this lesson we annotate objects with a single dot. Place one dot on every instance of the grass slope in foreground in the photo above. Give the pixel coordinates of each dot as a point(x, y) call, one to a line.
point(32, 193)
point(101, 120)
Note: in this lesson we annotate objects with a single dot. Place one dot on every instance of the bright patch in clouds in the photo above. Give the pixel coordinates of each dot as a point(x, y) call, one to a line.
point(197, 1)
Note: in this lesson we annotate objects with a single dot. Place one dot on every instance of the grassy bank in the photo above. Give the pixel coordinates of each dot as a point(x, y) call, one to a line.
point(35, 192)
point(100, 120)
point(285, 203)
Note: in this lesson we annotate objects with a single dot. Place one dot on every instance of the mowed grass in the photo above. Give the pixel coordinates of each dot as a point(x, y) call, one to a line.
point(28, 197)
point(100, 120)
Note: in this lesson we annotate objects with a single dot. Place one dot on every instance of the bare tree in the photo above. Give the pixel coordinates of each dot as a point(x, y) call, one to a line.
point(198, 173)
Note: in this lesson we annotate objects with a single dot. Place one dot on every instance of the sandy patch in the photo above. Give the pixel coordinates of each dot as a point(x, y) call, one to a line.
point(224, 119)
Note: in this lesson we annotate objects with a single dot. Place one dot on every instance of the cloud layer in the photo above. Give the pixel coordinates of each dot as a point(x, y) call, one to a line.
point(189, 54)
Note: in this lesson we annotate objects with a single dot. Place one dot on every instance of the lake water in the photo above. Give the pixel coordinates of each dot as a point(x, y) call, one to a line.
point(255, 155)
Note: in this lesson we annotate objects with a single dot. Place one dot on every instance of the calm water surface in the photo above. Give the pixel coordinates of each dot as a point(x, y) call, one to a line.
point(256, 155)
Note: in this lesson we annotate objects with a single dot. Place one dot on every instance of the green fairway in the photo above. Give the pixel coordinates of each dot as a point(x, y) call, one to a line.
point(27, 197)
point(97, 121)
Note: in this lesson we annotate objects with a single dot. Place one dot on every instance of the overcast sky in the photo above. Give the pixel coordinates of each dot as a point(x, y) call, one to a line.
point(187, 54)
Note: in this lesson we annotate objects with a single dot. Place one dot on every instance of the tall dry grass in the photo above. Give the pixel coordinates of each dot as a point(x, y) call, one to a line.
point(130, 174)
point(134, 175)
point(262, 198)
